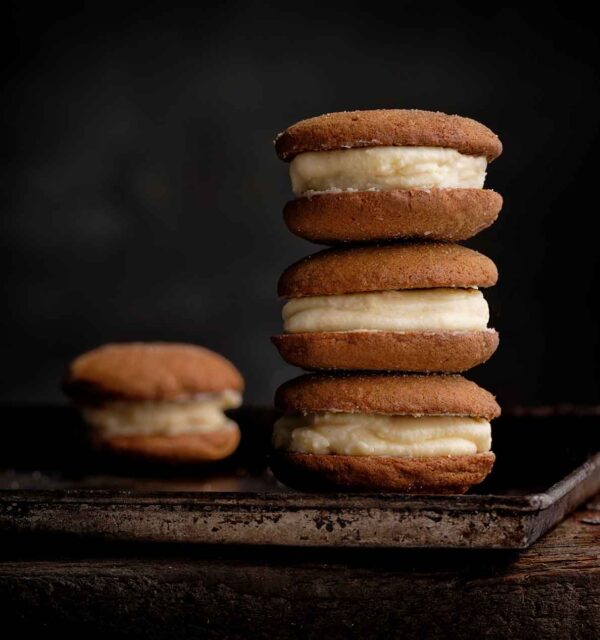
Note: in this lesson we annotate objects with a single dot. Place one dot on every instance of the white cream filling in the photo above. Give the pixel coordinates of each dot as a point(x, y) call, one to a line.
point(385, 168)
point(406, 310)
point(359, 434)
point(200, 414)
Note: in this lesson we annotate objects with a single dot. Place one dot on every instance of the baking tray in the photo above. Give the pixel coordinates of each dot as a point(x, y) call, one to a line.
point(51, 482)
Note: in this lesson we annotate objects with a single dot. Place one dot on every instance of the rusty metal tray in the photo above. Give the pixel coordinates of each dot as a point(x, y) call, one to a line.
point(51, 482)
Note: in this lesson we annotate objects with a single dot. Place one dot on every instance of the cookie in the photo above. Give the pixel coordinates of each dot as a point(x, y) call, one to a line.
point(181, 449)
point(367, 216)
point(439, 475)
point(383, 433)
point(386, 394)
point(437, 352)
point(403, 307)
point(157, 401)
point(151, 371)
point(387, 267)
point(392, 174)
point(388, 127)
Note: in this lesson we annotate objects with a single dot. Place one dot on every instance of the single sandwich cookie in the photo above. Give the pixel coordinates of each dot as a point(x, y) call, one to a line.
point(383, 433)
point(389, 174)
point(405, 307)
point(159, 401)
point(367, 216)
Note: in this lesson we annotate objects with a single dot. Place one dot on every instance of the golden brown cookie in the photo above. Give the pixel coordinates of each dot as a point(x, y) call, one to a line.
point(159, 401)
point(184, 449)
point(425, 351)
point(388, 127)
point(386, 268)
point(389, 394)
point(436, 475)
point(150, 371)
point(366, 216)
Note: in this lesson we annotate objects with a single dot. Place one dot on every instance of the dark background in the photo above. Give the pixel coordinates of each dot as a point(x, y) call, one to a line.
point(142, 197)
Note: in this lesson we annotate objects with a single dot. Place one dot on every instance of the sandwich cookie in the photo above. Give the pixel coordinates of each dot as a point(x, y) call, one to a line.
point(409, 434)
point(404, 307)
point(160, 401)
point(361, 176)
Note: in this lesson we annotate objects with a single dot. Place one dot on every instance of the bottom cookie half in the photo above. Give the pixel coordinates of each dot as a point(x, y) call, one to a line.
point(435, 351)
point(435, 475)
point(367, 216)
point(186, 449)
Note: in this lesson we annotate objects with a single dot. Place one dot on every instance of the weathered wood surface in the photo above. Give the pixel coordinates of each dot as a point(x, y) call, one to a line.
point(551, 590)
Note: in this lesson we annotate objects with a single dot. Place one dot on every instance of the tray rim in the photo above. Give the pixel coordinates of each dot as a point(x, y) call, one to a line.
point(528, 503)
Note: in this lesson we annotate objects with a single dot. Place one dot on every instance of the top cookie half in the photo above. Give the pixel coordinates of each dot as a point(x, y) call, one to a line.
point(388, 128)
point(149, 372)
point(389, 174)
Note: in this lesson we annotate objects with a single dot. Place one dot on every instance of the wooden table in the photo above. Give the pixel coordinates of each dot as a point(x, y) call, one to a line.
point(552, 590)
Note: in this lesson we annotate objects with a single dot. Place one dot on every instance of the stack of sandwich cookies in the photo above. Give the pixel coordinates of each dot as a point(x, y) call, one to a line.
point(159, 401)
point(411, 184)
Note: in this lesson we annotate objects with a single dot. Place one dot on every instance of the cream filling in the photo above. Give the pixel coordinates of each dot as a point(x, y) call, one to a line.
point(385, 168)
point(406, 310)
point(359, 434)
point(200, 414)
